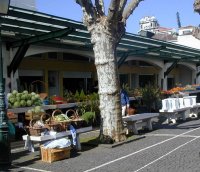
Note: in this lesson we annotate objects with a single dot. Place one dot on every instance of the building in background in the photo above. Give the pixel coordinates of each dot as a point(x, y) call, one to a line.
point(149, 27)
point(26, 4)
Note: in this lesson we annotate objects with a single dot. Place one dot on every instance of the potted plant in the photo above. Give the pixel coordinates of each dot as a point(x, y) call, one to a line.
point(89, 109)
point(150, 97)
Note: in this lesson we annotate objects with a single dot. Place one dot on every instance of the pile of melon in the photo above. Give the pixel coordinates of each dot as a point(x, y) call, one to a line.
point(23, 99)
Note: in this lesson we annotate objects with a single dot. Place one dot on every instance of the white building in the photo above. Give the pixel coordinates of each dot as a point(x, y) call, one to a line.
point(26, 4)
point(151, 24)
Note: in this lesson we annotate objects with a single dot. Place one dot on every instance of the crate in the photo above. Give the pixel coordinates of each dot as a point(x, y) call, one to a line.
point(50, 155)
point(12, 117)
point(32, 115)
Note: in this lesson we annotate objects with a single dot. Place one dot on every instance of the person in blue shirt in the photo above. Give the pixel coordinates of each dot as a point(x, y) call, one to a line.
point(124, 101)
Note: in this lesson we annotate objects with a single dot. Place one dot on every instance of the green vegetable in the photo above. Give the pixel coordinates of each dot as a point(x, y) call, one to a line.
point(29, 103)
point(16, 104)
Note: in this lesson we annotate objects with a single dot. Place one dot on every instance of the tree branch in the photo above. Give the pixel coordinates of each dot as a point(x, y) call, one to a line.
point(121, 8)
point(113, 10)
point(196, 32)
point(197, 6)
point(88, 9)
point(129, 10)
point(100, 7)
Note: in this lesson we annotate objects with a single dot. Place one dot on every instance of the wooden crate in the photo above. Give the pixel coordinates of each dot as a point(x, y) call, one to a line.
point(32, 115)
point(12, 117)
point(56, 154)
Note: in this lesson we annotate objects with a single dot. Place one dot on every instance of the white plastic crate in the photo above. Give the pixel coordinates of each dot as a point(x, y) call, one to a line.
point(189, 101)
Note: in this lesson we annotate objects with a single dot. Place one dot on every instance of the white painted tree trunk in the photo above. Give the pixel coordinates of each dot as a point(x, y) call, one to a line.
point(106, 32)
point(108, 82)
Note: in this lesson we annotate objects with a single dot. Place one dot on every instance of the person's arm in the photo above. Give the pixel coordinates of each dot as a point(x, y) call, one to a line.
point(127, 100)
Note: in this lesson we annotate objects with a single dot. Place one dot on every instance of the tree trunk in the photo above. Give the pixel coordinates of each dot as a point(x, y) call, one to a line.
point(108, 82)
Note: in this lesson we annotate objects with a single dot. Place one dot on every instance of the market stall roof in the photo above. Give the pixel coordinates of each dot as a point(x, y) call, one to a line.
point(27, 27)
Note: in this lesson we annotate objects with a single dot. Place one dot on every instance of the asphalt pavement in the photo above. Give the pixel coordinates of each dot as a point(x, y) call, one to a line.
point(168, 148)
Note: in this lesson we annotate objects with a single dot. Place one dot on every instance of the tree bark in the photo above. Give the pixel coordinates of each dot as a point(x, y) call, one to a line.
point(106, 32)
point(108, 80)
point(197, 6)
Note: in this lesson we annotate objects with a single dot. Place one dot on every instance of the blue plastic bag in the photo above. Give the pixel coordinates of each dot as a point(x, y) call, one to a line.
point(11, 128)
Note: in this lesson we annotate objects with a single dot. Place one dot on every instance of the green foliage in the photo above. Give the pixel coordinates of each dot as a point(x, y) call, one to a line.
point(89, 109)
point(129, 91)
point(68, 95)
point(76, 96)
point(150, 96)
point(89, 116)
point(82, 96)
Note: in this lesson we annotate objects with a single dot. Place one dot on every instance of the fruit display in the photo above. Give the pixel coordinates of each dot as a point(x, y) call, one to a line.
point(23, 99)
point(34, 113)
point(189, 88)
point(61, 118)
point(36, 109)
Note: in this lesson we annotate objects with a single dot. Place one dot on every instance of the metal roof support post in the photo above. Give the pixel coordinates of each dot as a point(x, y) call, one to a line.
point(198, 74)
point(18, 58)
point(122, 59)
point(171, 68)
point(43, 37)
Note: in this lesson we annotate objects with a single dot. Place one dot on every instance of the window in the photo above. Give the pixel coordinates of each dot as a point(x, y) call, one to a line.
point(142, 63)
point(186, 32)
point(67, 56)
point(146, 80)
point(52, 55)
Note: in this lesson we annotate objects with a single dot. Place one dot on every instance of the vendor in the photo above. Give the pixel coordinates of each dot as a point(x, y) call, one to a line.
point(124, 101)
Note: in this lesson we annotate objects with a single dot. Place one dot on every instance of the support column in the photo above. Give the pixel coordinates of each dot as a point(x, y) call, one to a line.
point(193, 77)
point(198, 74)
point(162, 81)
point(5, 149)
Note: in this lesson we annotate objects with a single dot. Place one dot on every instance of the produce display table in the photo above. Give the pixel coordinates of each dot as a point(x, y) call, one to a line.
point(137, 121)
point(42, 139)
point(45, 107)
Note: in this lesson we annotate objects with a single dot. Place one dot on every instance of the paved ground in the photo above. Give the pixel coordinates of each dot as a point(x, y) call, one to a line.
point(168, 148)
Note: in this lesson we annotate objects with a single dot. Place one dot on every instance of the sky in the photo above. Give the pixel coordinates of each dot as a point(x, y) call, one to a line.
point(164, 10)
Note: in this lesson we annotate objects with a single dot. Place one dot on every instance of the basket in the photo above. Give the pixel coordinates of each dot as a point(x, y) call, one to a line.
point(35, 131)
point(54, 154)
point(49, 123)
point(76, 121)
point(130, 111)
point(63, 124)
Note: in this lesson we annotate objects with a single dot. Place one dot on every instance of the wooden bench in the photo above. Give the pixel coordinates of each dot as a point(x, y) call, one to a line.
point(42, 139)
point(138, 121)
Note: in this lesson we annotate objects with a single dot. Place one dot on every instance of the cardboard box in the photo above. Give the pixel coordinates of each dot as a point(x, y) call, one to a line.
point(55, 154)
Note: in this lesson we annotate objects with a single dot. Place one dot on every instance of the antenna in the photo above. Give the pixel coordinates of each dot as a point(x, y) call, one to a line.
point(178, 20)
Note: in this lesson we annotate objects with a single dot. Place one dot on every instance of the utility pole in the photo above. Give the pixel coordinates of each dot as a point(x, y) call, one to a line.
point(178, 20)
